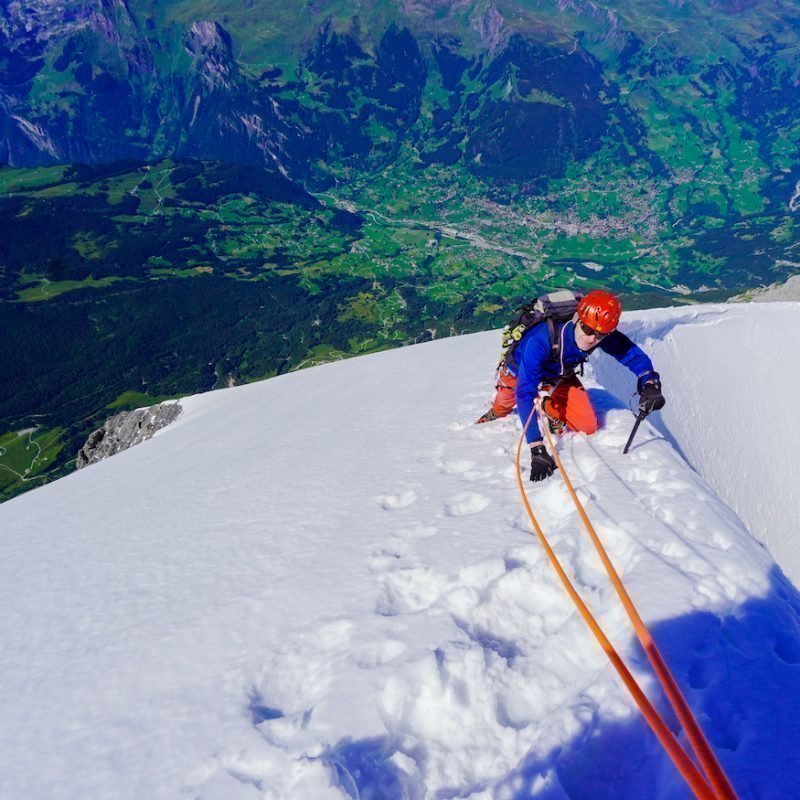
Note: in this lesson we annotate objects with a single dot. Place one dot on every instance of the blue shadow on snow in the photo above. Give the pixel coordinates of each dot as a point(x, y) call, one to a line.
point(740, 674)
point(363, 770)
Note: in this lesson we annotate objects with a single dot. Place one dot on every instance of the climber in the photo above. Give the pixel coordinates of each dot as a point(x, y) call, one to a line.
point(543, 350)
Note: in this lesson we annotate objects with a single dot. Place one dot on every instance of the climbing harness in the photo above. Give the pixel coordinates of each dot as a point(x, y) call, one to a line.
point(714, 784)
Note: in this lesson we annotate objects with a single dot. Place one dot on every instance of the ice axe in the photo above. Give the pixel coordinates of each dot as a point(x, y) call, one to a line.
point(639, 418)
point(650, 399)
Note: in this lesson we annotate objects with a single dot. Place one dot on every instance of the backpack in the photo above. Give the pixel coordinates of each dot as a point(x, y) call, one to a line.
point(557, 306)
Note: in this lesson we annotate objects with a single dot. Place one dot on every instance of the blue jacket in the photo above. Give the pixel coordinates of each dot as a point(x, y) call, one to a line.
point(535, 364)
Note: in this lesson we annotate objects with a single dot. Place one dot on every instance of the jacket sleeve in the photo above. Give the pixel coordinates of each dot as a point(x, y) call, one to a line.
point(618, 345)
point(536, 350)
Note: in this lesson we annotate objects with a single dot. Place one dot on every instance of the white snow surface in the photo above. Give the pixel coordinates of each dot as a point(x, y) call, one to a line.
point(732, 406)
point(324, 586)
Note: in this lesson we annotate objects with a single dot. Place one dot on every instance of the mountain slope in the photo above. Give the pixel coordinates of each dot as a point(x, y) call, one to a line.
point(322, 586)
point(464, 157)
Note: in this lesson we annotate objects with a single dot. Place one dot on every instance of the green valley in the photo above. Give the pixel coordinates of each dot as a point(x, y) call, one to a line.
point(202, 193)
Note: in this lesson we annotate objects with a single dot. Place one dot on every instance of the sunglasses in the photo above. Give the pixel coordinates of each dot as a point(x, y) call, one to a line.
point(591, 331)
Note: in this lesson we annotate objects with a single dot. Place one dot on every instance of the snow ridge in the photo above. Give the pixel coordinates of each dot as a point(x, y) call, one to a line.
point(351, 604)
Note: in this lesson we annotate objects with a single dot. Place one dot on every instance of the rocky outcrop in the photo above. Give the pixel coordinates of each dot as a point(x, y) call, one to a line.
point(125, 430)
point(209, 45)
point(492, 29)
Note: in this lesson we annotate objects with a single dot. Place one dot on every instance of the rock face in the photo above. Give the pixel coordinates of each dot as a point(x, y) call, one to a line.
point(125, 430)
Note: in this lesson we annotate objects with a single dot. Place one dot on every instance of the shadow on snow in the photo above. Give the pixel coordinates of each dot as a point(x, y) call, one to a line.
point(739, 673)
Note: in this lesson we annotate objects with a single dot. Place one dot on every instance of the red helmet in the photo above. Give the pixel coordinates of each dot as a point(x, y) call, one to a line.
point(600, 311)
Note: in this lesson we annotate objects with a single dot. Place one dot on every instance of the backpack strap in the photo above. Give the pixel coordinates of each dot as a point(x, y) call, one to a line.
point(555, 343)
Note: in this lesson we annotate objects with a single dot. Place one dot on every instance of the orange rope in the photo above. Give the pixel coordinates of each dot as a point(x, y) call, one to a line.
point(685, 766)
point(705, 755)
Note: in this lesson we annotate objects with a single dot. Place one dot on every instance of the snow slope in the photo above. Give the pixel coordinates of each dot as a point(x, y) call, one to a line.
point(323, 586)
point(732, 407)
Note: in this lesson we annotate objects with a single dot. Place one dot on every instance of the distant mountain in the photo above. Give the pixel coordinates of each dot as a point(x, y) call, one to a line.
point(512, 92)
point(195, 193)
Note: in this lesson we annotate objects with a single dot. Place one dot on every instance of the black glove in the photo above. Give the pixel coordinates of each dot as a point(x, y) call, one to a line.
point(650, 397)
point(542, 464)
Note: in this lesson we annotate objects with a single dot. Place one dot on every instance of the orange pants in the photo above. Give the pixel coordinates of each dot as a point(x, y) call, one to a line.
point(567, 402)
point(505, 396)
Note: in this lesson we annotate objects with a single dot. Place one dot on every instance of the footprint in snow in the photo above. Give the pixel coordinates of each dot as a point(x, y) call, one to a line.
point(469, 472)
point(703, 673)
point(456, 466)
point(408, 590)
point(387, 556)
point(372, 654)
point(466, 503)
point(787, 649)
point(393, 502)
